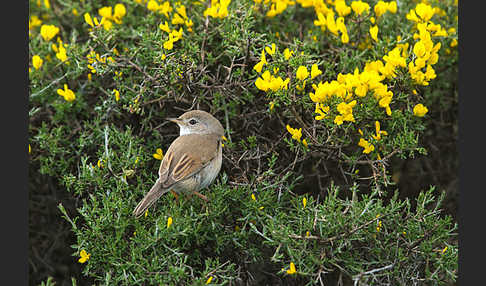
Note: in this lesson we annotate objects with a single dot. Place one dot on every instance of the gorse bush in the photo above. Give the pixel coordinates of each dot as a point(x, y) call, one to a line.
point(316, 98)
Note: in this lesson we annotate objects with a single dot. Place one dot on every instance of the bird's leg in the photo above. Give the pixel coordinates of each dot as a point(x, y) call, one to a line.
point(201, 196)
point(175, 195)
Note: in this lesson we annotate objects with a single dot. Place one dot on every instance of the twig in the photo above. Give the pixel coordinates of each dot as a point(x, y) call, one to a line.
point(214, 270)
point(358, 277)
point(341, 235)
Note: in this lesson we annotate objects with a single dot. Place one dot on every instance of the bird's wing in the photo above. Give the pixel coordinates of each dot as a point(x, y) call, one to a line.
point(179, 163)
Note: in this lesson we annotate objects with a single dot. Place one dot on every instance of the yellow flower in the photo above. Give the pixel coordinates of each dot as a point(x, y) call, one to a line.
point(182, 11)
point(37, 62)
point(374, 32)
point(321, 110)
point(288, 53)
point(84, 256)
point(61, 53)
point(165, 8)
point(177, 20)
point(424, 11)
point(30, 149)
point(47, 4)
point(263, 82)
point(420, 110)
point(209, 280)
point(253, 197)
point(66, 93)
point(304, 201)
point(359, 7)
point(302, 73)
point(218, 9)
point(379, 132)
point(263, 60)
point(119, 12)
point(380, 8)
point(444, 249)
point(189, 25)
point(48, 32)
point(105, 12)
point(269, 50)
point(75, 12)
point(292, 269)
point(224, 139)
point(346, 111)
point(117, 96)
point(152, 5)
point(169, 44)
point(315, 71)
point(107, 24)
point(304, 142)
point(169, 222)
point(146, 213)
point(392, 7)
point(296, 133)
point(341, 8)
point(419, 49)
point(366, 145)
point(158, 154)
point(164, 27)
point(93, 22)
point(34, 21)
point(272, 105)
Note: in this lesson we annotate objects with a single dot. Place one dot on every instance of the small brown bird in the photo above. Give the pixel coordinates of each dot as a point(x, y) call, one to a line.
point(192, 161)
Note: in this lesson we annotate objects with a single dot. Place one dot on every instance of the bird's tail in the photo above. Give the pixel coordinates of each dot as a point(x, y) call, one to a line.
point(153, 195)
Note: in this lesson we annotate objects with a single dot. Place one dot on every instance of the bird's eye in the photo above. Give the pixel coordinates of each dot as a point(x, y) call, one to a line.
point(192, 121)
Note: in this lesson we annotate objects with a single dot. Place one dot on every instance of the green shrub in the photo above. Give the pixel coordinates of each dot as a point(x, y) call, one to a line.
point(313, 107)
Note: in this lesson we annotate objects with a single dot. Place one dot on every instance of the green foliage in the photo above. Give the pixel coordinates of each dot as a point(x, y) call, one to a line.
point(282, 146)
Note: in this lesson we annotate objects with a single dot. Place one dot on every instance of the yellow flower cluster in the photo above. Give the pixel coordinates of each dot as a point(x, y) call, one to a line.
point(179, 17)
point(360, 7)
point(174, 36)
point(94, 59)
point(163, 8)
point(326, 20)
point(268, 81)
point(112, 14)
point(381, 7)
point(345, 112)
point(357, 84)
point(425, 51)
point(218, 9)
point(368, 147)
point(421, 14)
point(278, 6)
point(61, 52)
point(296, 134)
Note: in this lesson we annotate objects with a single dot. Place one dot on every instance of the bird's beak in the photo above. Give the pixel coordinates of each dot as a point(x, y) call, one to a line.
point(175, 120)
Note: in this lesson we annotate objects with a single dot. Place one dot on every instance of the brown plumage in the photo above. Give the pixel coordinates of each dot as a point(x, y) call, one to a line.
point(192, 161)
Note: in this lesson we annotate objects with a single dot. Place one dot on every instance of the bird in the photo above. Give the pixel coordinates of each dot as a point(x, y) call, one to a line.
point(192, 161)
